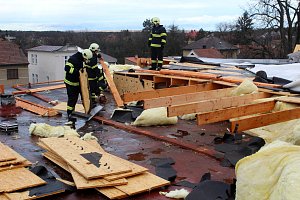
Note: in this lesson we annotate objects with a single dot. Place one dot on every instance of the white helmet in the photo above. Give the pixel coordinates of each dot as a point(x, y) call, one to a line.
point(87, 54)
point(155, 20)
point(94, 47)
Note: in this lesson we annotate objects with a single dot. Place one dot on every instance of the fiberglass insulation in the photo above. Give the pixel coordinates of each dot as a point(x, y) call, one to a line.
point(246, 87)
point(154, 117)
point(45, 130)
point(270, 174)
point(285, 131)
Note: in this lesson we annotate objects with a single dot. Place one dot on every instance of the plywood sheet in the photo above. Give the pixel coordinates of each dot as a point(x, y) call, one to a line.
point(142, 183)
point(25, 195)
point(85, 92)
point(112, 193)
point(5, 153)
point(70, 149)
point(82, 183)
point(16, 179)
point(13, 166)
point(19, 159)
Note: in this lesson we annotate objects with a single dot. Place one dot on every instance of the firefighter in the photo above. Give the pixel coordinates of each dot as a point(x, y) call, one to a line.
point(72, 67)
point(96, 77)
point(157, 41)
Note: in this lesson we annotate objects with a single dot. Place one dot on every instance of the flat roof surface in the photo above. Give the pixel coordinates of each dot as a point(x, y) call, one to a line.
point(139, 149)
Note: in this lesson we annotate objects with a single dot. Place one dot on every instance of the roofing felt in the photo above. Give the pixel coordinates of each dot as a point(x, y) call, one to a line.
point(210, 42)
point(46, 48)
point(208, 53)
point(109, 58)
point(11, 54)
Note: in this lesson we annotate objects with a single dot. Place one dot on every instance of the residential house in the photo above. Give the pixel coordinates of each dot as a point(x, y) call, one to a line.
point(211, 42)
point(47, 62)
point(13, 64)
point(206, 53)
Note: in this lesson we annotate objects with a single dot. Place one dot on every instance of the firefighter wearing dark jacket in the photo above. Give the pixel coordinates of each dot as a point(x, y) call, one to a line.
point(157, 41)
point(72, 67)
point(95, 75)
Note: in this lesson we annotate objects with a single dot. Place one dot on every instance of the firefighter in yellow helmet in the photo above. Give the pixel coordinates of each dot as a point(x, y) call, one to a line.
point(157, 41)
point(96, 77)
point(72, 67)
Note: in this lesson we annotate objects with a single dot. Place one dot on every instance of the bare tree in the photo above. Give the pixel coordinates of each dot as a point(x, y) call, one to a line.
point(279, 15)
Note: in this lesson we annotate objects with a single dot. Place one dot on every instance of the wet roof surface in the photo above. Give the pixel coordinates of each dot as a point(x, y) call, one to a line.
point(139, 149)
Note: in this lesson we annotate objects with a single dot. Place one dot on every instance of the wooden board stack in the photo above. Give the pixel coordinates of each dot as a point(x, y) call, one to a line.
point(92, 167)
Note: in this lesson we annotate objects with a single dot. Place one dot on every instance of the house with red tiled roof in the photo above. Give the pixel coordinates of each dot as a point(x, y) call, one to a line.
point(206, 53)
point(47, 62)
point(13, 64)
point(211, 42)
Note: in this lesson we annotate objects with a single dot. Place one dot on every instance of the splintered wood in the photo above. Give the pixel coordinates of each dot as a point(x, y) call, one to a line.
point(91, 167)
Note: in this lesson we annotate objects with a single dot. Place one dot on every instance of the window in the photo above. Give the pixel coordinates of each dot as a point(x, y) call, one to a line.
point(66, 59)
point(33, 78)
point(12, 74)
point(37, 78)
point(33, 59)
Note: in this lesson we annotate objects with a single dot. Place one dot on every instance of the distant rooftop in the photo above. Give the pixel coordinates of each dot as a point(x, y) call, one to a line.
point(11, 54)
point(210, 42)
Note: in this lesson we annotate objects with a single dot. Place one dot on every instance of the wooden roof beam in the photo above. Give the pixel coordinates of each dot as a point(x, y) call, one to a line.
point(229, 113)
point(265, 119)
point(186, 98)
point(137, 96)
point(214, 104)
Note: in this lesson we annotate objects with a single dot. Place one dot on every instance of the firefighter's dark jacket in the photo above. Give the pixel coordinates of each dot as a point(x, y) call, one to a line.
point(158, 37)
point(72, 67)
point(92, 68)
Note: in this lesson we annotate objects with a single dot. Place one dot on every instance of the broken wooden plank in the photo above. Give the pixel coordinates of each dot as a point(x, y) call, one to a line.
point(186, 98)
point(54, 87)
point(214, 104)
point(111, 84)
point(265, 119)
point(17, 179)
point(73, 149)
point(226, 114)
point(137, 96)
point(36, 108)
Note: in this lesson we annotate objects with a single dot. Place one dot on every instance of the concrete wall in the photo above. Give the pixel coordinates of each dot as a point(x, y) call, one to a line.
point(22, 72)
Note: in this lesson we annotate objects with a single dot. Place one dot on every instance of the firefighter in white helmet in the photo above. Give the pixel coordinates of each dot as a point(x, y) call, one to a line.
point(96, 77)
point(72, 67)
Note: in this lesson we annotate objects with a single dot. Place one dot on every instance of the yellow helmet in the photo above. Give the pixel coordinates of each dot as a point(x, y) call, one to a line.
point(155, 21)
point(87, 54)
point(94, 47)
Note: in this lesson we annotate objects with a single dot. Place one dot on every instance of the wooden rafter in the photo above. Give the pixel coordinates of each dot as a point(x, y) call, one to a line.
point(53, 87)
point(112, 85)
point(137, 96)
point(214, 104)
point(36, 108)
point(265, 119)
point(186, 98)
point(228, 113)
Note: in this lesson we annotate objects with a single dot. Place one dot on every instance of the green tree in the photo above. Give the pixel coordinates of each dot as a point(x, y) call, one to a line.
point(147, 26)
point(244, 29)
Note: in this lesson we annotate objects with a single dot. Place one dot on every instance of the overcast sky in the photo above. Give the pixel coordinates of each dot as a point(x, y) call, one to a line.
point(104, 15)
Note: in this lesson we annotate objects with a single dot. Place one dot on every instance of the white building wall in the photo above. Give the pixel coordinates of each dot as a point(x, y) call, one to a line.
point(49, 66)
